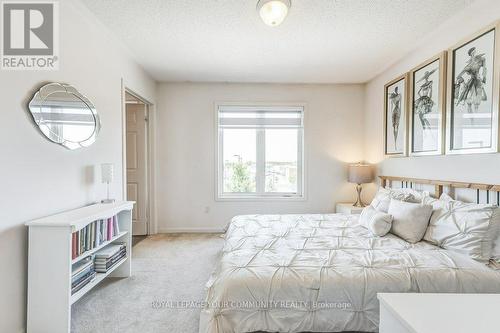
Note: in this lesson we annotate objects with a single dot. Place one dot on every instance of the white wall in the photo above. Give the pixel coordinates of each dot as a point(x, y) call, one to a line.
point(186, 149)
point(476, 168)
point(40, 178)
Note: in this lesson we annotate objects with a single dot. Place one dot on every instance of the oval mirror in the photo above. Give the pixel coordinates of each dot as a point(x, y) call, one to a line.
point(65, 116)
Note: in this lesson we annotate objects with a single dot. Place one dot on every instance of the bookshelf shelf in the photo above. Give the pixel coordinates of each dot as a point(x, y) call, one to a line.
point(98, 278)
point(95, 249)
point(50, 262)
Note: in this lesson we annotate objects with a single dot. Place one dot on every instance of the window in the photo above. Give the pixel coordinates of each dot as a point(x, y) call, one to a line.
point(260, 152)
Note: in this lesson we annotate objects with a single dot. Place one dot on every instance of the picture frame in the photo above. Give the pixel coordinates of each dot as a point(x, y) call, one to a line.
point(473, 89)
point(427, 107)
point(396, 134)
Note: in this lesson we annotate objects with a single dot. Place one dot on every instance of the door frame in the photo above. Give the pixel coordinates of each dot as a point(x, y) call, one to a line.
point(152, 225)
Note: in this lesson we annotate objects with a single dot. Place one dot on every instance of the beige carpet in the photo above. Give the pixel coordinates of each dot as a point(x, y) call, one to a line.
point(164, 268)
point(169, 268)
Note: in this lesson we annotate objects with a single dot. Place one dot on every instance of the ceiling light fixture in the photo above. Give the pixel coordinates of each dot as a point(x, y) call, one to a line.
point(273, 12)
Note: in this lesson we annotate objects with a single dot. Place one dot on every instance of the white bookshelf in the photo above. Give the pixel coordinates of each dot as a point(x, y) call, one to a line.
point(50, 262)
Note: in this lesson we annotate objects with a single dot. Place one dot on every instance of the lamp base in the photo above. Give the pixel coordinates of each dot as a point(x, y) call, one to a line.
point(359, 202)
point(107, 201)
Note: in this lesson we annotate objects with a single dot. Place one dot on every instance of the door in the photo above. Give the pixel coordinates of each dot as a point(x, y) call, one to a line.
point(137, 179)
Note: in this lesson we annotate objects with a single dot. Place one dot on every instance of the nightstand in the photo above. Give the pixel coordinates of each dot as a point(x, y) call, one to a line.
point(348, 208)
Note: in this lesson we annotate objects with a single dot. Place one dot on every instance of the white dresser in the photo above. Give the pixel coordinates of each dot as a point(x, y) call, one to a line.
point(436, 313)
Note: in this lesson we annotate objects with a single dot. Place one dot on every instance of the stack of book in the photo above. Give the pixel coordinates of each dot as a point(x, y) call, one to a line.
point(109, 256)
point(94, 235)
point(83, 273)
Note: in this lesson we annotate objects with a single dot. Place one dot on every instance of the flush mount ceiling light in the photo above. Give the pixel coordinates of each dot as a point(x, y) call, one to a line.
point(273, 12)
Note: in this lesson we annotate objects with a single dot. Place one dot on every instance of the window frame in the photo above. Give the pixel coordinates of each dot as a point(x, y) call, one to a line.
point(260, 194)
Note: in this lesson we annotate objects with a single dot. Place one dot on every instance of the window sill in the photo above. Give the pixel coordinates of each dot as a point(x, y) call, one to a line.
point(260, 198)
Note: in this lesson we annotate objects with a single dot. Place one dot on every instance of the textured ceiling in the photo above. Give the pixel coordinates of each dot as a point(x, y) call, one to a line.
point(321, 41)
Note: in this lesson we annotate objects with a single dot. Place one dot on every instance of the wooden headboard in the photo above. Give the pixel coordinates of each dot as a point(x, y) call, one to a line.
point(439, 186)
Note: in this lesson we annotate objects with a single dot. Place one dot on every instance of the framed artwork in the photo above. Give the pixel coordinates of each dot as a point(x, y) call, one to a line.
point(427, 106)
point(473, 93)
point(395, 119)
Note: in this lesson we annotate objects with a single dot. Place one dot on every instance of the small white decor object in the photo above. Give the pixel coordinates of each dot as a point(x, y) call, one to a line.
point(410, 220)
point(377, 222)
point(107, 176)
point(466, 228)
point(273, 12)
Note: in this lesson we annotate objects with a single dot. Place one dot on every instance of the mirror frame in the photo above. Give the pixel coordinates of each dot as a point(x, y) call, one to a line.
point(40, 98)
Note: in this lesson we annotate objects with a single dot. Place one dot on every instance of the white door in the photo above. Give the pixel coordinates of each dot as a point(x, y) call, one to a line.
point(137, 189)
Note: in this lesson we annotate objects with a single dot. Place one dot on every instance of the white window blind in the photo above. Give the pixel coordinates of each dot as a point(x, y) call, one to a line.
point(260, 117)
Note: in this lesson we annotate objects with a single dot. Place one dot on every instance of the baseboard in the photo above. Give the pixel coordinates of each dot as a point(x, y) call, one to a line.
point(190, 230)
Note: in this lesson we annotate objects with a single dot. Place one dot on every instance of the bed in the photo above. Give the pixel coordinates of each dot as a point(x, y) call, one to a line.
point(321, 273)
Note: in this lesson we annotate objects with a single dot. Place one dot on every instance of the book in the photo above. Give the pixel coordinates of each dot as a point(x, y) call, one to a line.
point(110, 262)
point(83, 283)
point(73, 245)
point(101, 261)
point(110, 229)
point(81, 265)
point(82, 276)
point(109, 251)
point(84, 236)
point(93, 235)
point(99, 232)
point(96, 234)
point(105, 230)
point(116, 227)
point(77, 243)
point(103, 268)
point(85, 233)
point(87, 238)
point(80, 235)
point(82, 272)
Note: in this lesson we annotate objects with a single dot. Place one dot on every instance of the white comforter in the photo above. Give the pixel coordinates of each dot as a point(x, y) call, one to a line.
point(321, 273)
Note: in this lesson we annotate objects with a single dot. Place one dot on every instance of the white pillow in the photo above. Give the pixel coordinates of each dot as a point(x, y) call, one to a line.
point(446, 197)
point(415, 196)
point(495, 255)
point(378, 223)
point(410, 220)
point(466, 228)
point(383, 198)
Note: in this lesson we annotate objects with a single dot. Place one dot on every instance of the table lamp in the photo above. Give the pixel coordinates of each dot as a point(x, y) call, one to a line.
point(360, 174)
point(107, 175)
